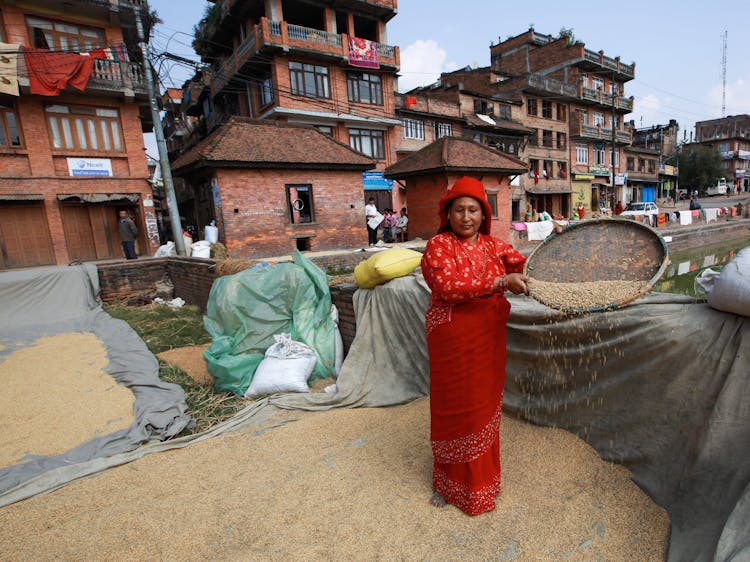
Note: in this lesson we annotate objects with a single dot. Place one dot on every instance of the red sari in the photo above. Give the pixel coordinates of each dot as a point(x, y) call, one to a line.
point(465, 325)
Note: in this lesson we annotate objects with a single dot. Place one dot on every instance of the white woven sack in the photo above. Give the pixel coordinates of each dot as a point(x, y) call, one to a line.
point(731, 290)
point(285, 368)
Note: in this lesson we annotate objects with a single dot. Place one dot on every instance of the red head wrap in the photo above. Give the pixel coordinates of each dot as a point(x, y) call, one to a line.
point(465, 187)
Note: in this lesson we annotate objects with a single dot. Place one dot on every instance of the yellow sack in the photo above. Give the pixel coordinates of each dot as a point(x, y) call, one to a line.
point(386, 265)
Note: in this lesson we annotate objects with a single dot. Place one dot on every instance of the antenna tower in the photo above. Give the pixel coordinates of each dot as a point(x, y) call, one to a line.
point(724, 75)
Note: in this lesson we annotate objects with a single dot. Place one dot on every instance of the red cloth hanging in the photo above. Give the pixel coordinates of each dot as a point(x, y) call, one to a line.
point(410, 100)
point(51, 72)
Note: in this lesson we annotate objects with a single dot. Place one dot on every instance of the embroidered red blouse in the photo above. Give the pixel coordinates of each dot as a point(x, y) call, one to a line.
point(458, 271)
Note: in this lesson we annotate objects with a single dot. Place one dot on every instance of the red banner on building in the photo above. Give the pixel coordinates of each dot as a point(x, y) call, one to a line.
point(363, 53)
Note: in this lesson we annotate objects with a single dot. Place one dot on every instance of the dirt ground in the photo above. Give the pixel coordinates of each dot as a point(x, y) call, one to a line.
point(347, 484)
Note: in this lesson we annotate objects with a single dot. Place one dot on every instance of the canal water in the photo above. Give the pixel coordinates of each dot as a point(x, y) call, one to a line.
point(686, 265)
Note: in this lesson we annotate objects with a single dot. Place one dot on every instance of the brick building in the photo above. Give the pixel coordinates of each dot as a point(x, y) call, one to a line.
point(429, 172)
point(313, 63)
point(564, 82)
point(73, 109)
point(663, 139)
point(730, 137)
point(272, 188)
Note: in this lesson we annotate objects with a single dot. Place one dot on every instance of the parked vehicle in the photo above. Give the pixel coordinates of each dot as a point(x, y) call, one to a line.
point(719, 189)
point(640, 209)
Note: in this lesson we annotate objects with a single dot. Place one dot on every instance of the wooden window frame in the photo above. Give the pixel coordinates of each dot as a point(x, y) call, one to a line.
point(443, 130)
point(413, 128)
point(358, 83)
point(6, 127)
point(376, 140)
point(547, 109)
point(87, 129)
point(295, 211)
point(531, 107)
point(63, 36)
point(582, 154)
point(309, 80)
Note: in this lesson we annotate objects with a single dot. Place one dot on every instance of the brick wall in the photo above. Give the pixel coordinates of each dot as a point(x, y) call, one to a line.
point(254, 211)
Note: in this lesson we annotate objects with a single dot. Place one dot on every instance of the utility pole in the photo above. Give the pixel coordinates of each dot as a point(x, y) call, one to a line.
point(614, 135)
point(161, 144)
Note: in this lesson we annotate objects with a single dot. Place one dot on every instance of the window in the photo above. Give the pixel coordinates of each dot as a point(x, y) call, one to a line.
point(266, 91)
point(533, 167)
point(597, 83)
point(58, 36)
point(641, 165)
point(483, 107)
point(504, 112)
point(562, 140)
point(631, 164)
point(547, 139)
point(531, 107)
point(325, 129)
point(598, 119)
point(364, 88)
point(616, 162)
point(600, 155)
point(309, 80)
point(84, 128)
point(582, 154)
point(300, 202)
point(616, 120)
point(651, 166)
point(562, 112)
point(492, 200)
point(585, 80)
point(10, 134)
point(443, 130)
point(413, 129)
point(547, 109)
point(547, 169)
point(562, 170)
point(367, 142)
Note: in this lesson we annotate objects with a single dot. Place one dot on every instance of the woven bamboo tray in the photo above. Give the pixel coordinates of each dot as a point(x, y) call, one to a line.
point(600, 250)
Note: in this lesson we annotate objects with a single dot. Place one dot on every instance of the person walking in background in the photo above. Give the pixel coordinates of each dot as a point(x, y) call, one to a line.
point(128, 235)
point(389, 225)
point(469, 272)
point(618, 208)
point(371, 212)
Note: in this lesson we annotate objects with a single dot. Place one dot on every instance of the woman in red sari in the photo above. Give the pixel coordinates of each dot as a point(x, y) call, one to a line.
point(468, 271)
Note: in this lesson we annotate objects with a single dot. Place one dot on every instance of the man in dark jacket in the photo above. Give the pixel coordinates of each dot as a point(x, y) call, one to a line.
point(128, 235)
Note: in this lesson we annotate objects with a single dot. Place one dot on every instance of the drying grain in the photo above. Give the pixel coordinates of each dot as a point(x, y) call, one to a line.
point(591, 294)
point(348, 484)
point(56, 396)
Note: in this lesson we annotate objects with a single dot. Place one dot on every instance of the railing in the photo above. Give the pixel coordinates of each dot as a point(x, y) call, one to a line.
point(604, 98)
point(552, 85)
point(274, 27)
point(109, 74)
point(608, 62)
point(315, 35)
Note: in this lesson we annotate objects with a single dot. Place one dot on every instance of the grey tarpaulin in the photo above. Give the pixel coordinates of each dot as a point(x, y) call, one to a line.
point(660, 386)
point(48, 301)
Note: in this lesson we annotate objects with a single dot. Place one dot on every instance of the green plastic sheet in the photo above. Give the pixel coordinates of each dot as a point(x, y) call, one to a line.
point(246, 309)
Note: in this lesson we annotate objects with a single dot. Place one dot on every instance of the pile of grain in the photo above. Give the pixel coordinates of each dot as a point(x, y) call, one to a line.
point(56, 396)
point(584, 295)
point(348, 484)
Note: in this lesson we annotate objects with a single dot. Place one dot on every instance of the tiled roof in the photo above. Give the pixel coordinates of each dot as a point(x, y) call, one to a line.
point(248, 143)
point(452, 154)
point(500, 124)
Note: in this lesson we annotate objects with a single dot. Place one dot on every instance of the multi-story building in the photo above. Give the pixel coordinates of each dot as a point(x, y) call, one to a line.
point(567, 86)
point(73, 107)
point(730, 137)
point(664, 140)
point(308, 63)
point(642, 170)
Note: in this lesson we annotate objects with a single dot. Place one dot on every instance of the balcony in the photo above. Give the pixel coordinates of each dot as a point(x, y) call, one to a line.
point(551, 86)
point(285, 37)
point(606, 100)
point(598, 62)
point(597, 132)
point(109, 78)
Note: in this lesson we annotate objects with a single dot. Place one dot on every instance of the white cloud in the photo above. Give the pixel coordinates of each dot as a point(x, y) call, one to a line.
point(647, 110)
point(737, 97)
point(421, 64)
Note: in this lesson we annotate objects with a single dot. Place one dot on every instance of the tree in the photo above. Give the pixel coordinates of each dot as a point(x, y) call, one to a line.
point(700, 167)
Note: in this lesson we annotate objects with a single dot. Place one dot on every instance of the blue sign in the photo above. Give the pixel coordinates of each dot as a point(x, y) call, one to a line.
point(374, 181)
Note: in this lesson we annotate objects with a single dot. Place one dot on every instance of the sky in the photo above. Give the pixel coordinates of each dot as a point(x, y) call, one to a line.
point(678, 51)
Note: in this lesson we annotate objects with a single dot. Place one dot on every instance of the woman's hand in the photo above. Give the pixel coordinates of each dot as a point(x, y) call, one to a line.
point(517, 283)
